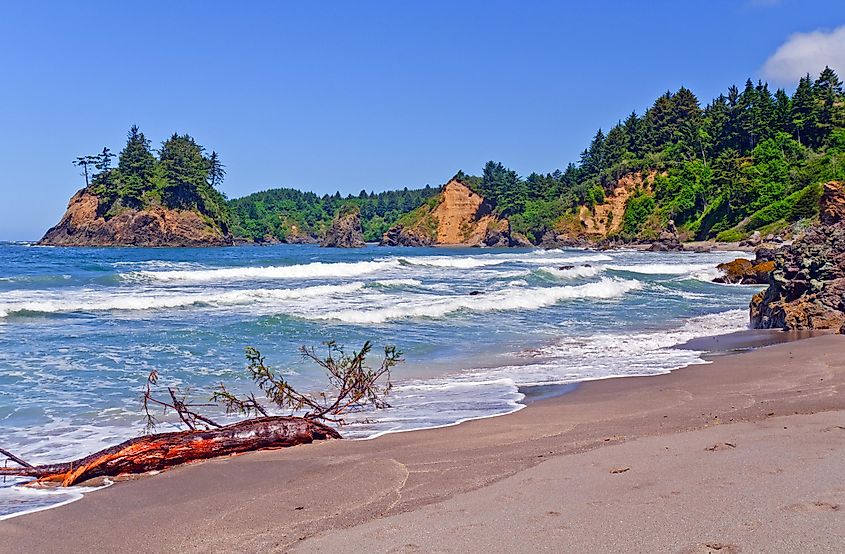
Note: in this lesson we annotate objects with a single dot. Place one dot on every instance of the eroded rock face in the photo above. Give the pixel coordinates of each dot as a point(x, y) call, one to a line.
point(807, 289)
point(81, 225)
point(345, 231)
point(461, 217)
point(832, 209)
point(297, 236)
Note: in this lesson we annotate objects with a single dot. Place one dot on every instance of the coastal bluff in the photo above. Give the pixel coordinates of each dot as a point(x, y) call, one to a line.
point(458, 216)
point(85, 224)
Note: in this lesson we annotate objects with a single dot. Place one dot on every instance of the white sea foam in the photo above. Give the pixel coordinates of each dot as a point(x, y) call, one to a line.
point(604, 355)
point(568, 259)
point(456, 262)
point(399, 283)
point(662, 268)
point(572, 273)
point(314, 270)
point(94, 301)
point(505, 300)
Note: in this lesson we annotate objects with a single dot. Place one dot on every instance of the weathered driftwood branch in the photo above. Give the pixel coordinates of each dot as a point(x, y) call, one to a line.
point(14, 458)
point(164, 450)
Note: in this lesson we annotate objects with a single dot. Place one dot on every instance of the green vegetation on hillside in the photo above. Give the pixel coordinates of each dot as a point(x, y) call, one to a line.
point(181, 177)
point(749, 160)
point(745, 160)
point(272, 214)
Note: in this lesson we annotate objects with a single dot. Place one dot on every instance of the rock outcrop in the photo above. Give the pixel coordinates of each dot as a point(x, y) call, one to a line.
point(457, 217)
point(807, 287)
point(745, 272)
point(297, 236)
point(667, 240)
point(345, 231)
point(155, 226)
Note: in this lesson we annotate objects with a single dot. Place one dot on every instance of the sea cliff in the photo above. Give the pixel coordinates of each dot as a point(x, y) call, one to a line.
point(83, 224)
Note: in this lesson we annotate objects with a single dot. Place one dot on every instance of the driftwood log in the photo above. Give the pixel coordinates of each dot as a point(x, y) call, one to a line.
point(164, 450)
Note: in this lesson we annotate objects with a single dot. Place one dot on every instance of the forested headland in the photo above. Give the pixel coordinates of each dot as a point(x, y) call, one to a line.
point(750, 159)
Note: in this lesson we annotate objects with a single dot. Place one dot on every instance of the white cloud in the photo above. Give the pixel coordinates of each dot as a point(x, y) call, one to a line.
point(804, 53)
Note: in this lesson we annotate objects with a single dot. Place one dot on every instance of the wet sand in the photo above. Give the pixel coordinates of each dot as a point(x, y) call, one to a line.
point(741, 455)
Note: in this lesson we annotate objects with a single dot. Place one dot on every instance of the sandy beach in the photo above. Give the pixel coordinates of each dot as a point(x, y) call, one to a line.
point(741, 455)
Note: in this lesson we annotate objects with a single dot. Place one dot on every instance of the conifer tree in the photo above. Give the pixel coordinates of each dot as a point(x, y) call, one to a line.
point(803, 112)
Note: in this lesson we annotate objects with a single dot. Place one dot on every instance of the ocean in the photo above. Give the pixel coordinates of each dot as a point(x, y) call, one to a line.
point(81, 328)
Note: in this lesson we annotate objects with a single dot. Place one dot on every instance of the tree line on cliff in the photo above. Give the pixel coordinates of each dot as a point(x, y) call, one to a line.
point(277, 213)
point(179, 175)
point(751, 159)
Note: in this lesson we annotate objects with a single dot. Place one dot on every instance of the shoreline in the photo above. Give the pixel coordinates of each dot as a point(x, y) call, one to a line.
point(597, 414)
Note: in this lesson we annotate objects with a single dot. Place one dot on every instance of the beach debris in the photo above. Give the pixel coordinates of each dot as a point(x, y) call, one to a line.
point(621, 469)
point(720, 446)
point(161, 451)
point(14, 458)
point(354, 386)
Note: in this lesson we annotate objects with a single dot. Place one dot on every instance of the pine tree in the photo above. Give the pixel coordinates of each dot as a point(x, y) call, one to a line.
point(765, 110)
point(592, 162)
point(136, 165)
point(661, 128)
point(686, 121)
point(104, 160)
point(748, 110)
point(827, 90)
point(85, 162)
point(781, 119)
point(136, 158)
point(803, 112)
point(634, 132)
point(216, 170)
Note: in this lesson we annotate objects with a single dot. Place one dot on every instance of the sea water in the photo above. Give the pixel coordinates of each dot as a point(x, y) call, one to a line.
point(81, 329)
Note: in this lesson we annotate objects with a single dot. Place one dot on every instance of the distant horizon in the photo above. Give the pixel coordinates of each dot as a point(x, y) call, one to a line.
point(293, 98)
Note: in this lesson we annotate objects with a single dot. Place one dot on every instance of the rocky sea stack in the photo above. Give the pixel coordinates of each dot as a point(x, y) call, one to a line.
point(345, 231)
point(147, 200)
point(807, 286)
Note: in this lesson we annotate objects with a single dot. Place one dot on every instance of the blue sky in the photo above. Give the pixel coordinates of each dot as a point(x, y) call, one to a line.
point(349, 95)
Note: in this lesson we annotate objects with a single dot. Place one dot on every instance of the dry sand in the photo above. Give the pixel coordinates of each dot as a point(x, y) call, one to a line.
point(746, 454)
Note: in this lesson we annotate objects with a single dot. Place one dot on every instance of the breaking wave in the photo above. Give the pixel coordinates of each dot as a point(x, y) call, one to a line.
point(505, 300)
point(662, 269)
point(314, 270)
point(572, 273)
point(98, 302)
